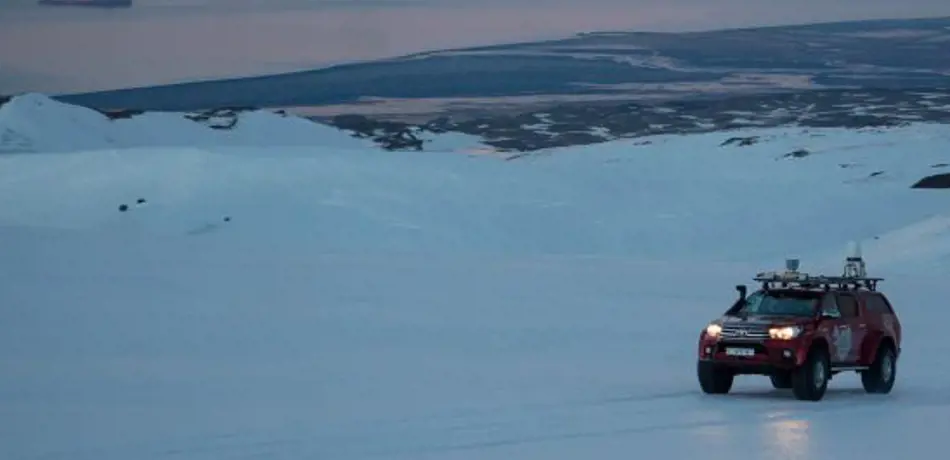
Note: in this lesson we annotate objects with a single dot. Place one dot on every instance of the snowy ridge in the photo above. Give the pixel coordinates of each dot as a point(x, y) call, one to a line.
point(313, 301)
point(36, 123)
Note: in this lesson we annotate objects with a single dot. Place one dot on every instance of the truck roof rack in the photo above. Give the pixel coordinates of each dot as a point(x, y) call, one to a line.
point(854, 275)
point(805, 281)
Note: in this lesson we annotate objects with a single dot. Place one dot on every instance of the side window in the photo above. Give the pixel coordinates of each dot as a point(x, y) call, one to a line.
point(877, 304)
point(828, 304)
point(848, 305)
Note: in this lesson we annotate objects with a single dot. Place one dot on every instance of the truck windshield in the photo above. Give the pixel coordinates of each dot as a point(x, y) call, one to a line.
point(782, 304)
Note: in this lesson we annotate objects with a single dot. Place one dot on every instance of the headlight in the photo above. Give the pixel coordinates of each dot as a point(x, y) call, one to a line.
point(785, 333)
point(713, 330)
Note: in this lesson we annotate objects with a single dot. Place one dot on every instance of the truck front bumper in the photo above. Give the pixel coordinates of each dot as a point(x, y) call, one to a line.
point(753, 357)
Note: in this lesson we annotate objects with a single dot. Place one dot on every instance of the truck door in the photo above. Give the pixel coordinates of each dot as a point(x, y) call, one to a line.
point(850, 331)
point(832, 325)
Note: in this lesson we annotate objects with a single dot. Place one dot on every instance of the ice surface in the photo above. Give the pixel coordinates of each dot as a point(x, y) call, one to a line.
point(362, 304)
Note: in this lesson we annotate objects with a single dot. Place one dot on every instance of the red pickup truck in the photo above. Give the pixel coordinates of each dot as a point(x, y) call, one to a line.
point(800, 330)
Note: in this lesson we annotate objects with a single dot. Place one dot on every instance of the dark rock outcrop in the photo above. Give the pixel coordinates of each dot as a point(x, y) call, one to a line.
point(800, 153)
point(579, 123)
point(740, 141)
point(121, 114)
point(390, 135)
point(934, 181)
point(224, 118)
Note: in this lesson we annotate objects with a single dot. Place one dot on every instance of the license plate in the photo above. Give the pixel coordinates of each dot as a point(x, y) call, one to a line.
point(740, 351)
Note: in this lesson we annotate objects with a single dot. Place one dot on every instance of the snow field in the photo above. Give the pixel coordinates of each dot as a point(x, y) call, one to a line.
point(363, 304)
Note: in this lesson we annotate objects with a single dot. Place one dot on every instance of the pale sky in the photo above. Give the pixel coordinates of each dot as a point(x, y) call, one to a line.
point(162, 41)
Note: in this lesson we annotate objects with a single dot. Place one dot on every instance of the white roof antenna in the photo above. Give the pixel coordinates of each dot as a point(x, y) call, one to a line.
point(853, 263)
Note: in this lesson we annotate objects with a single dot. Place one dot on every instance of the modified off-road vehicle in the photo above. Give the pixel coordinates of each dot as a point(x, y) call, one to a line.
point(800, 330)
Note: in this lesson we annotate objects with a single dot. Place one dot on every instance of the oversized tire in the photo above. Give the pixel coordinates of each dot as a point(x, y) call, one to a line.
point(714, 379)
point(781, 380)
point(810, 381)
point(881, 376)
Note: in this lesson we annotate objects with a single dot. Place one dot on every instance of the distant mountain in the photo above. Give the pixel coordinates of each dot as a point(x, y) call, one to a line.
point(598, 87)
point(32, 122)
point(882, 54)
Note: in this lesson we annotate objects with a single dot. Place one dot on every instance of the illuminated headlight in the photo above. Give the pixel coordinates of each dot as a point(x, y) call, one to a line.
point(785, 333)
point(713, 330)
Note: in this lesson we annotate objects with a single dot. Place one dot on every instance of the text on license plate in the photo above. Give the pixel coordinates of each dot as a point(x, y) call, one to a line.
point(740, 351)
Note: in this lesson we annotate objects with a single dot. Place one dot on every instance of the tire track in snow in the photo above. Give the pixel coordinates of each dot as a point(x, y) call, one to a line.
point(754, 407)
point(676, 410)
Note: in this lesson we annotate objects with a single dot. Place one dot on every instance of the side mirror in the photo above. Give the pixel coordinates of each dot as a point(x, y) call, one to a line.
point(741, 289)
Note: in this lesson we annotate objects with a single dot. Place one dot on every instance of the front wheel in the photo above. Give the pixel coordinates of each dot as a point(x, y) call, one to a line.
point(810, 381)
point(883, 372)
point(714, 379)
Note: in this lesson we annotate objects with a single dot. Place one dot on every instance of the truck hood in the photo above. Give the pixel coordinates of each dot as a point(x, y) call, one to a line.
point(770, 320)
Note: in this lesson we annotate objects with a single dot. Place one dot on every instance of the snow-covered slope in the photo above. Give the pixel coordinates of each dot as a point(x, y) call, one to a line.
point(317, 302)
point(36, 123)
point(610, 199)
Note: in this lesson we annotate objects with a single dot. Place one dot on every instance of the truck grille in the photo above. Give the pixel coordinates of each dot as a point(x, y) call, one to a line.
point(735, 331)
